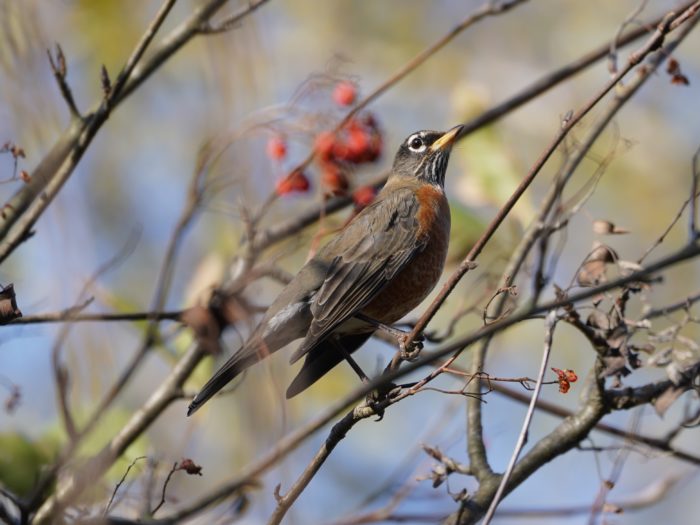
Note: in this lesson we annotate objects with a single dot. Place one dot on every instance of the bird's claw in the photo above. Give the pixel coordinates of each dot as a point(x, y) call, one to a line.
point(376, 398)
point(411, 351)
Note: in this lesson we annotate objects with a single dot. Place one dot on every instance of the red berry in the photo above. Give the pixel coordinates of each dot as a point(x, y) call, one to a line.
point(340, 150)
point(325, 142)
point(333, 179)
point(565, 378)
point(363, 196)
point(276, 148)
point(344, 93)
point(295, 181)
point(358, 144)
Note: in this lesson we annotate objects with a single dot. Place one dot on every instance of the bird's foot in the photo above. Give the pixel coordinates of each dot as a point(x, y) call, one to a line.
point(377, 398)
point(410, 350)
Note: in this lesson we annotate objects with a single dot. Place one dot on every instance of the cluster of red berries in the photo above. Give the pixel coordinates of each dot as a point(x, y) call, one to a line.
point(296, 181)
point(358, 142)
point(565, 378)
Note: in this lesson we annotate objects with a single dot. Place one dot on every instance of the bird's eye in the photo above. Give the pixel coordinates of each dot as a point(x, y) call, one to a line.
point(416, 144)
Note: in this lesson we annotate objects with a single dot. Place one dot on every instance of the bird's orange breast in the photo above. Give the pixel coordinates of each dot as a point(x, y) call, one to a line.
point(412, 284)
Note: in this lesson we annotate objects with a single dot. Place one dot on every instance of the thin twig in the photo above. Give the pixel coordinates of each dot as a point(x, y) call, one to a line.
point(165, 488)
point(230, 22)
point(652, 494)
point(607, 484)
point(60, 71)
point(550, 323)
point(69, 315)
point(692, 226)
point(661, 238)
point(685, 304)
point(121, 482)
point(147, 37)
point(192, 204)
point(612, 62)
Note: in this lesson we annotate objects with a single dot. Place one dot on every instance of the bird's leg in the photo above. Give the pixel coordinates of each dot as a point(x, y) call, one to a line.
point(409, 350)
point(353, 364)
point(374, 397)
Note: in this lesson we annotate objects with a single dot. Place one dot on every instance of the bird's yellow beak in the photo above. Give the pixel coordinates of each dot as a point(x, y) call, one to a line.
point(447, 139)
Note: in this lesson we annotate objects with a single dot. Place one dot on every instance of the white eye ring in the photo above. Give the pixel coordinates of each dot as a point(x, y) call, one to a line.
point(416, 143)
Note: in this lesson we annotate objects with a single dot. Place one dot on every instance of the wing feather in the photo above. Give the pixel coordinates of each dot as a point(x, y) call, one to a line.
point(371, 251)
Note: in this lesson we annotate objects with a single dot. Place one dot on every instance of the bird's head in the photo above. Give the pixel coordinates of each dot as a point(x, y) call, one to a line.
point(424, 155)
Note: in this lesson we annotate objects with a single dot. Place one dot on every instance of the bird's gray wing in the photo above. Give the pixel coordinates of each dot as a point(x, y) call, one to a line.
point(371, 250)
point(322, 358)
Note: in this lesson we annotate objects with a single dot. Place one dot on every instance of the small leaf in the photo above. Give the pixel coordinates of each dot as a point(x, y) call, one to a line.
point(603, 227)
point(602, 252)
point(592, 273)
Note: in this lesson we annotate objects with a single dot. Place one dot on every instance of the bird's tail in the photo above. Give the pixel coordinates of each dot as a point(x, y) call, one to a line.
point(247, 356)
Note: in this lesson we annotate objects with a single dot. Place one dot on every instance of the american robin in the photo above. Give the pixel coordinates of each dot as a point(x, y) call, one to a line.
point(377, 268)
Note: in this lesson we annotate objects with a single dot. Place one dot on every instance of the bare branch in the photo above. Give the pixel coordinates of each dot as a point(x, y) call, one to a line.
point(165, 488)
point(612, 57)
point(661, 445)
point(692, 227)
point(550, 323)
point(121, 482)
point(650, 495)
point(287, 228)
point(85, 475)
point(72, 314)
point(230, 22)
point(116, 88)
point(685, 304)
point(25, 207)
point(652, 44)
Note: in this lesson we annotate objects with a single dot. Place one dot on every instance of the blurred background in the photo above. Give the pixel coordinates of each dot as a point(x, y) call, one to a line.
point(274, 76)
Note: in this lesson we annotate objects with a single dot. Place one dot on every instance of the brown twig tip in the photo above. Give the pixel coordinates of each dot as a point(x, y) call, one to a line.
point(121, 482)
point(60, 71)
point(59, 66)
point(105, 81)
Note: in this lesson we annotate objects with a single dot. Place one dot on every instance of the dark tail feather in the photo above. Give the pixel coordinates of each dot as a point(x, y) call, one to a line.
point(245, 357)
point(321, 359)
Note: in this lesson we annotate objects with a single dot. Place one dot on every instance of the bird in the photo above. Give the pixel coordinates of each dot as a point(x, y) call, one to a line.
point(374, 271)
